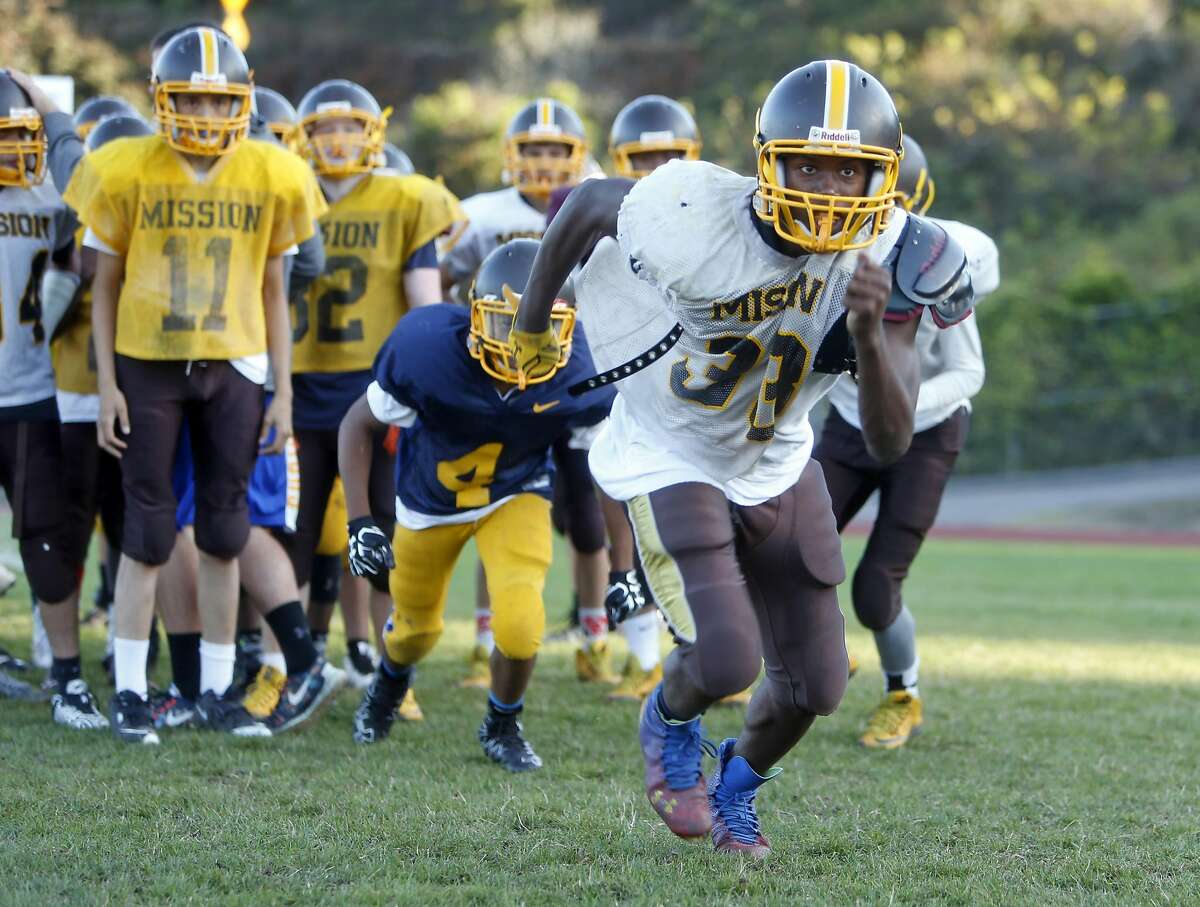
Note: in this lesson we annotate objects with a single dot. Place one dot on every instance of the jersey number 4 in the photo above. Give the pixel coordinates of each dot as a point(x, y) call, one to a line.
point(787, 360)
point(470, 475)
point(29, 310)
point(332, 298)
point(179, 318)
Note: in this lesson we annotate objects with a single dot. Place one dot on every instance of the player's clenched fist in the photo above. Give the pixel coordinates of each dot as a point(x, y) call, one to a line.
point(867, 297)
point(370, 552)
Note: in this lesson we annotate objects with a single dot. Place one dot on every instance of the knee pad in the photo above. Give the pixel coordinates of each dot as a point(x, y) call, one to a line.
point(51, 574)
point(819, 691)
point(408, 639)
point(518, 621)
point(222, 534)
point(724, 662)
point(149, 536)
point(876, 595)
point(585, 525)
point(326, 582)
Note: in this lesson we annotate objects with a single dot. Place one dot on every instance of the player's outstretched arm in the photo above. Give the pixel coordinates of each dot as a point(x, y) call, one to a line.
point(889, 372)
point(589, 214)
point(370, 553)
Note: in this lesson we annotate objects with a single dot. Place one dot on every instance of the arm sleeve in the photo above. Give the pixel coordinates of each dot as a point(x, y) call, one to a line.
point(66, 225)
point(961, 376)
point(64, 148)
point(388, 409)
point(424, 257)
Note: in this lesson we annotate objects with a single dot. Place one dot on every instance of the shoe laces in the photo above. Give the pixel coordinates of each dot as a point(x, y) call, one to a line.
point(264, 691)
point(737, 812)
point(507, 730)
point(381, 701)
point(683, 749)
point(889, 718)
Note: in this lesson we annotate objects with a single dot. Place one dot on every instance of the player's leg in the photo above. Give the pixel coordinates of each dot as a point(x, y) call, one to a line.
point(910, 495)
point(224, 415)
point(479, 670)
point(685, 538)
point(790, 554)
point(643, 667)
point(34, 459)
point(515, 546)
point(419, 584)
point(175, 602)
point(154, 394)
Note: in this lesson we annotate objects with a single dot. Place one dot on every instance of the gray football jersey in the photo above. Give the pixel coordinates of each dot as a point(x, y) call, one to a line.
point(494, 219)
point(34, 223)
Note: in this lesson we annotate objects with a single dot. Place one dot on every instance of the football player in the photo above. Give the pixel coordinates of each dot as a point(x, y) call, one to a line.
point(188, 299)
point(762, 282)
point(910, 488)
point(92, 111)
point(395, 161)
point(37, 236)
point(473, 462)
point(380, 263)
point(545, 150)
point(278, 115)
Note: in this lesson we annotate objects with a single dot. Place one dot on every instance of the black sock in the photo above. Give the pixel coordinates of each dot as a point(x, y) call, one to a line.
point(895, 682)
point(185, 663)
point(661, 703)
point(64, 670)
point(398, 676)
point(291, 629)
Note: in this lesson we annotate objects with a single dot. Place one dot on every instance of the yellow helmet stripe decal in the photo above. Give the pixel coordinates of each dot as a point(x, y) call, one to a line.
point(545, 112)
point(210, 61)
point(837, 93)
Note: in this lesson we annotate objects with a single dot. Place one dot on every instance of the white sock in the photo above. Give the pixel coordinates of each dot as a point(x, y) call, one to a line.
point(129, 664)
point(483, 629)
point(594, 624)
point(216, 666)
point(274, 660)
point(641, 633)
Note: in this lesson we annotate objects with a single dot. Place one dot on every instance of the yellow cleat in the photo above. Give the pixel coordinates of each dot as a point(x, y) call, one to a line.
point(896, 721)
point(737, 699)
point(853, 663)
point(593, 664)
point(410, 709)
point(636, 682)
point(263, 695)
point(479, 669)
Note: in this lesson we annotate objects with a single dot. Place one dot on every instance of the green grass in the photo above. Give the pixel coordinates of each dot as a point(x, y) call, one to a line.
point(1058, 766)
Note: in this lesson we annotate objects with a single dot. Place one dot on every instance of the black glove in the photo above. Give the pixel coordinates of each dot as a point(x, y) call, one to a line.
point(370, 552)
point(624, 597)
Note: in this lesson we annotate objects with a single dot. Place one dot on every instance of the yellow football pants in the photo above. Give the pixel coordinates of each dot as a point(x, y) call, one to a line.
point(514, 545)
point(333, 530)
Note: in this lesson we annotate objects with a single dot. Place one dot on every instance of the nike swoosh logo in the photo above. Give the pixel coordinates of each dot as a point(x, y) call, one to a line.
point(298, 697)
point(542, 407)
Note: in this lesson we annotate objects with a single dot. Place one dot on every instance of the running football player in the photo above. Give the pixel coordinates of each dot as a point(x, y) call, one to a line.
point(910, 488)
point(37, 235)
point(473, 462)
point(763, 282)
point(188, 299)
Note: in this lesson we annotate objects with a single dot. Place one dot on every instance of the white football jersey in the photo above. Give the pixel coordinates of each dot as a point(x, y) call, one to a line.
point(729, 404)
point(951, 358)
point(493, 219)
point(34, 222)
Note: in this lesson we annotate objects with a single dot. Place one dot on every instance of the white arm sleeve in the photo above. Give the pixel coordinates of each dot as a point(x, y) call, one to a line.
point(961, 376)
point(387, 408)
point(92, 241)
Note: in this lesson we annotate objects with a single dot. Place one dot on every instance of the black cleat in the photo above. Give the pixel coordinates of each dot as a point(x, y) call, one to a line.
point(303, 694)
point(228, 715)
point(375, 715)
point(73, 705)
point(172, 709)
point(502, 742)
point(131, 719)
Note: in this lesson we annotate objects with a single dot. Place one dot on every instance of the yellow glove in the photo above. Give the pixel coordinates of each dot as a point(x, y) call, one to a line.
point(536, 352)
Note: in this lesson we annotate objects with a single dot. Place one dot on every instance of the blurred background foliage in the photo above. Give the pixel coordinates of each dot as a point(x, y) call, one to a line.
point(1069, 131)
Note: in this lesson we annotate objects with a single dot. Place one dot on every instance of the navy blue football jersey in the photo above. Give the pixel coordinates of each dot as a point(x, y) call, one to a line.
point(472, 445)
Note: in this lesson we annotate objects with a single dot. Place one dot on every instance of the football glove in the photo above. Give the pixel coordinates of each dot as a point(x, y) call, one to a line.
point(370, 552)
point(536, 352)
point(624, 597)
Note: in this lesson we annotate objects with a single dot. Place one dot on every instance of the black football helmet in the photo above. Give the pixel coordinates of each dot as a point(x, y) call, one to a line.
point(117, 127)
point(494, 296)
point(343, 151)
point(828, 108)
point(914, 184)
point(22, 137)
point(202, 61)
point(93, 110)
point(277, 114)
point(652, 123)
point(396, 161)
point(544, 121)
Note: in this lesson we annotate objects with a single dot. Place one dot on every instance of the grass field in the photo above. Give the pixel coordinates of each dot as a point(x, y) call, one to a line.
point(1059, 765)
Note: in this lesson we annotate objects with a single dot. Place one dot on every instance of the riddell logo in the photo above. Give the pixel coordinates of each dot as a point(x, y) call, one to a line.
point(834, 136)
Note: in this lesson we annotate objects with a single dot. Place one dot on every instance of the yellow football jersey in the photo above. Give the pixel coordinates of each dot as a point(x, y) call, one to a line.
point(369, 234)
point(195, 250)
point(71, 352)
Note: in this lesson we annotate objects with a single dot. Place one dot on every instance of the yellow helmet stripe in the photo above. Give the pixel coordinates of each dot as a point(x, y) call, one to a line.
point(837, 93)
point(545, 112)
point(210, 59)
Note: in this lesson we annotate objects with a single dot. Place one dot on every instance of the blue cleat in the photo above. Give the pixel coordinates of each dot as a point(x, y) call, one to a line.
point(674, 780)
point(731, 793)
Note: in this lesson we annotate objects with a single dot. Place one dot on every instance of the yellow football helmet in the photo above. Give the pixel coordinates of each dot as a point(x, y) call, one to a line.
point(342, 152)
point(544, 121)
point(914, 184)
point(22, 137)
point(202, 61)
point(494, 296)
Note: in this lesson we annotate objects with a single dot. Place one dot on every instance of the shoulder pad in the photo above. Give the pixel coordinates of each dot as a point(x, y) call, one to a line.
point(930, 269)
point(836, 353)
